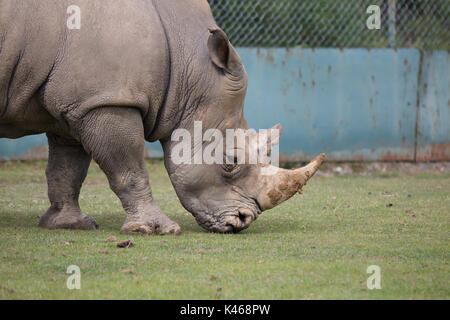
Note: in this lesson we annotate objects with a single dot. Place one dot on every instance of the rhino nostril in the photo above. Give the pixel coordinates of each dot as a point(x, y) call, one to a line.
point(247, 216)
point(237, 221)
point(242, 218)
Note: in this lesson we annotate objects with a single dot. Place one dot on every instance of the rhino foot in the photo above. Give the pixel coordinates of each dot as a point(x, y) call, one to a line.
point(150, 225)
point(67, 220)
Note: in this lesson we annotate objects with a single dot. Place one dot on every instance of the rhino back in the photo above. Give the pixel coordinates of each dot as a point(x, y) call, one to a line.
point(139, 53)
point(118, 57)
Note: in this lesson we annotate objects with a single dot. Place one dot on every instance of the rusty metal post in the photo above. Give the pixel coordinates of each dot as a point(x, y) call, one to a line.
point(392, 23)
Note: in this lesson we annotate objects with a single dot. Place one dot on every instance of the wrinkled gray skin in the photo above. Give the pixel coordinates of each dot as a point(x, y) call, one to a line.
point(135, 71)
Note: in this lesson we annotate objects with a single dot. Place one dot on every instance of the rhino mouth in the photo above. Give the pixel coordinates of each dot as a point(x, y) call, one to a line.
point(236, 221)
point(227, 216)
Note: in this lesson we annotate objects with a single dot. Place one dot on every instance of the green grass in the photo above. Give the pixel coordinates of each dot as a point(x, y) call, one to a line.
point(315, 246)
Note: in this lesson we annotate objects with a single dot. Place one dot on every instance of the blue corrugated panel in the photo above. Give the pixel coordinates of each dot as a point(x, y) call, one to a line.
point(352, 104)
point(433, 136)
point(30, 147)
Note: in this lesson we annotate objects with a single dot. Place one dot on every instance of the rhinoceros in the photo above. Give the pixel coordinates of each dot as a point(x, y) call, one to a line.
point(133, 71)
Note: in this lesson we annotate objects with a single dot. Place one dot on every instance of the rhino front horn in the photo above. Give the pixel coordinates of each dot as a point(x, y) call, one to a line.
point(285, 183)
point(303, 174)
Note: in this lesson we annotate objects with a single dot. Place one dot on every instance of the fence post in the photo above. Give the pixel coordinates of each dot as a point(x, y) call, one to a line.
point(418, 102)
point(392, 23)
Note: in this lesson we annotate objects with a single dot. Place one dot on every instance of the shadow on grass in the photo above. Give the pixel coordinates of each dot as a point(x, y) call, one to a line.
point(113, 222)
point(261, 226)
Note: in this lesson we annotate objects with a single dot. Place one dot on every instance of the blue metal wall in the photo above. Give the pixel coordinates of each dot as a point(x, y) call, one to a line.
point(31, 147)
point(433, 135)
point(353, 104)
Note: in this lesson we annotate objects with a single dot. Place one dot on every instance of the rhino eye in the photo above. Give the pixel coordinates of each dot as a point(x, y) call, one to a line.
point(230, 166)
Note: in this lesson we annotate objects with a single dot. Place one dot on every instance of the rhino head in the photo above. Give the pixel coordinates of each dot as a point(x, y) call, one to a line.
point(227, 196)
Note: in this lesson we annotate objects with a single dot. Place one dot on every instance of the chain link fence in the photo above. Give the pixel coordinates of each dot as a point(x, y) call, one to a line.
point(421, 24)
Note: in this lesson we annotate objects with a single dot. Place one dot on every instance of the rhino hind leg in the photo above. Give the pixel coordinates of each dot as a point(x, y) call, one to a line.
point(114, 136)
point(66, 170)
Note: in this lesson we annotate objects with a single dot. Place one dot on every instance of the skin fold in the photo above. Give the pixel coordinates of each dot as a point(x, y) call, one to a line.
point(135, 71)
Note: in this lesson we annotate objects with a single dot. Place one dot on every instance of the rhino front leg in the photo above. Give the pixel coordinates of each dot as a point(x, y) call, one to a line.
point(115, 138)
point(66, 170)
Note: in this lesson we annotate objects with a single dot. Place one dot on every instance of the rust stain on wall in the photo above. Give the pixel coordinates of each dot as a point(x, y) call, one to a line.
point(434, 152)
point(392, 157)
point(36, 153)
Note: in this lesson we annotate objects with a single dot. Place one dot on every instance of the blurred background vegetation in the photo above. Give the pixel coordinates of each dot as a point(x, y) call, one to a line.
point(423, 24)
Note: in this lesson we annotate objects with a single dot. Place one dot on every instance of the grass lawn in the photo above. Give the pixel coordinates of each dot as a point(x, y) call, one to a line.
point(315, 246)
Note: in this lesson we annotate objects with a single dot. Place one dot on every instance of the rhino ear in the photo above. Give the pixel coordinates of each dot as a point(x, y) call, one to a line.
point(222, 53)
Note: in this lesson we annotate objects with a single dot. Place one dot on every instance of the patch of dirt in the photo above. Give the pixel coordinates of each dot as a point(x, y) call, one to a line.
point(125, 243)
point(7, 290)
